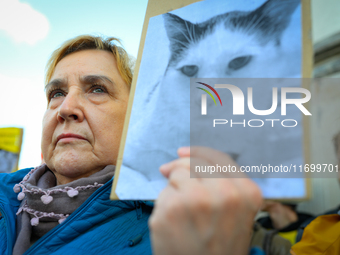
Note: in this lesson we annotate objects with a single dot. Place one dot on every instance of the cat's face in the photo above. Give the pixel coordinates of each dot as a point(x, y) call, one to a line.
point(217, 56)
point(232, 45)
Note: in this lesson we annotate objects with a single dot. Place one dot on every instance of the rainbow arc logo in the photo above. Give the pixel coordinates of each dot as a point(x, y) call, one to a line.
point(204, 97)
point(209, 93)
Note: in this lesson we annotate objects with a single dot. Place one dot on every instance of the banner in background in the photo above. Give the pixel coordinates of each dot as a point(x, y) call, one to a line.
point(10, 147)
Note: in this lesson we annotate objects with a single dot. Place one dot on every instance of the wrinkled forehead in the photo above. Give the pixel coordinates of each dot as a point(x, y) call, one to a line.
point(86, 62)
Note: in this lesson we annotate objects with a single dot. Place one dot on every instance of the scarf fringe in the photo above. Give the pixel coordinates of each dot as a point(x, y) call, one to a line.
point(46, 197)
point(38, 215)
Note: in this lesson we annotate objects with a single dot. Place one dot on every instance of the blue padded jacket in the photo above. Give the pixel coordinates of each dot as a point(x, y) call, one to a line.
point(98, 226)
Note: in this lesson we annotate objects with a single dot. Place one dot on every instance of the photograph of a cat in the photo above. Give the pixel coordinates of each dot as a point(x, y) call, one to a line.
point(234, 44)
point(252, 39)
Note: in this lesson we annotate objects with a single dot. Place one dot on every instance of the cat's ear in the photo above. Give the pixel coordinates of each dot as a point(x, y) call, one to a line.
point(276, 15)
point(180, 32)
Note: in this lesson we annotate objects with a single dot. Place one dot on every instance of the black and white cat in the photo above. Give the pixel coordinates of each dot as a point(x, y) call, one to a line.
point(237, 44)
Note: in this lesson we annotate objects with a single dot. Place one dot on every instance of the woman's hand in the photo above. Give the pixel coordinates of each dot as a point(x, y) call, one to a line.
point(203, 215)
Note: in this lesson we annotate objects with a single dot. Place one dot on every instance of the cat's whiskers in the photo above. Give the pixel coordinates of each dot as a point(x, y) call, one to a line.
point(189, 32)
point(181, 31)
point(185, 45)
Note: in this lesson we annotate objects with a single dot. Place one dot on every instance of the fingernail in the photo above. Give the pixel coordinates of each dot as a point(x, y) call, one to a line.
point(184, 150)
point(165, 167)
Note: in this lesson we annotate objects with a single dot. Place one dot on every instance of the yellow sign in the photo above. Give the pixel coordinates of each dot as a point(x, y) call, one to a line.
point(10, 139)
point(10, 147)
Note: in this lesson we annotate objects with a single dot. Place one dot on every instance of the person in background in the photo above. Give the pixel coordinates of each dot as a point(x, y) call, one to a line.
point(320, 235)
point(283, 218)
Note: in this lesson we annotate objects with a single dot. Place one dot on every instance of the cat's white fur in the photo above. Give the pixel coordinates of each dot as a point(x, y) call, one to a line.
point(163, 125)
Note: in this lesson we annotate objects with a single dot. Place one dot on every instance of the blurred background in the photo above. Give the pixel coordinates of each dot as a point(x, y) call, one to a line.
point(31, 29)
point(325, 103)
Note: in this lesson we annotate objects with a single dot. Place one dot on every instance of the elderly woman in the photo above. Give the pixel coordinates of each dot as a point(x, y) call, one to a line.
point(63, 206)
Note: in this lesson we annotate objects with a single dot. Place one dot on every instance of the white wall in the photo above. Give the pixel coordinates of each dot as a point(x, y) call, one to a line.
point(325, 18)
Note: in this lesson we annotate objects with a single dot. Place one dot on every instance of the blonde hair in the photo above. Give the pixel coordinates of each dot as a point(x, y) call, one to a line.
point(86, 42)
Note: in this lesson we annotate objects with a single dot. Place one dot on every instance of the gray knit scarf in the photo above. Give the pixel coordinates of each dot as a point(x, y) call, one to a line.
point(45, 205)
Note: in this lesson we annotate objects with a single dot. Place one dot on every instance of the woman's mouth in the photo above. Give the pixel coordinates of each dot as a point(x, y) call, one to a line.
point(69, 137)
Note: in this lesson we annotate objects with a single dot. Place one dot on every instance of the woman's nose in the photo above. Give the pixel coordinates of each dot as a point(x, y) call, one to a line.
point(71, 109)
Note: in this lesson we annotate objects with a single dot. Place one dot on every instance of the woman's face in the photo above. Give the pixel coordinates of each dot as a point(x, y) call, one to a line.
point(83, 123)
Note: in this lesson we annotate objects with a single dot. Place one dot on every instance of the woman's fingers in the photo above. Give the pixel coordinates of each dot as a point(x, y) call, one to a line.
point(204, 162)
point(203, 215)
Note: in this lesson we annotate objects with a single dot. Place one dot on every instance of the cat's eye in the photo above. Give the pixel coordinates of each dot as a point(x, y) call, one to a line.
point(189, 70)
point(239, 62)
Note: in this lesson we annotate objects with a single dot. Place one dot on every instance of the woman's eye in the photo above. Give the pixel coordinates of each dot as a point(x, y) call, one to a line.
point(189, 70)
point(97, 89)
point(56, 94)
point(239, 62)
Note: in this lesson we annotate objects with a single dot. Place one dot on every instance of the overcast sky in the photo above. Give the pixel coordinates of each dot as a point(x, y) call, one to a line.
point(29, 31)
